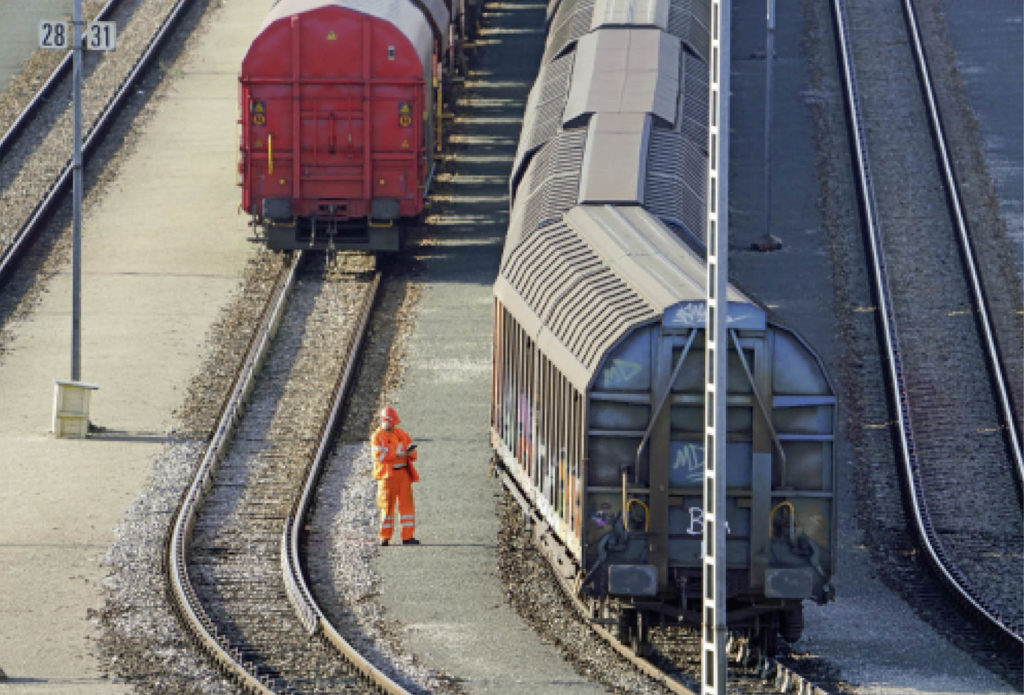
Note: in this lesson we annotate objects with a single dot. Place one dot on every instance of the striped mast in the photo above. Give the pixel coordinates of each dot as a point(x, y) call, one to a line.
point(716, 347)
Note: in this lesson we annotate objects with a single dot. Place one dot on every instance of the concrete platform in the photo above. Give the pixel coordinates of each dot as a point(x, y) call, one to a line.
point(446, 592)
point(163, 251)
point(19, 32)
point(995, 88)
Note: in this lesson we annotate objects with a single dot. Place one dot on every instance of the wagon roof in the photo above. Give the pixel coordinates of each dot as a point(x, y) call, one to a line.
point(580, 284)
point(406, 15)
point(620, 119)
point(625, 71)
point(631, 12)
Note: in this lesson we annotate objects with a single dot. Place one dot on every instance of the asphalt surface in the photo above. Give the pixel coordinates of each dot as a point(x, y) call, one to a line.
point(156, 273)
point(989, 42)
point(446, 593)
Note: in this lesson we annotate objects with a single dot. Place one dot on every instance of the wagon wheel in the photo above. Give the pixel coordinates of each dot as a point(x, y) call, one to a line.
point(638, 635)
point(624, 626)
point(791, 623)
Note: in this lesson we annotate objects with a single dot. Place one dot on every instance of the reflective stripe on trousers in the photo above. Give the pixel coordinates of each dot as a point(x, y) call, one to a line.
point(396, 489)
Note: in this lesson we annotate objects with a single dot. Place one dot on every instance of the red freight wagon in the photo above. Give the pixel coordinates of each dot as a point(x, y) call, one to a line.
point(337, 112)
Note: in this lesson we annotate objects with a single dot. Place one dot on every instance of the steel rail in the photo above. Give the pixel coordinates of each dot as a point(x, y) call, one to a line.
point(59, 187)
point(894, 367)
point(296, 586)
point(61, 72)
point(784, 680)
point(184, 596)
point(964, 238)
point(180, 586)
point(543, 539)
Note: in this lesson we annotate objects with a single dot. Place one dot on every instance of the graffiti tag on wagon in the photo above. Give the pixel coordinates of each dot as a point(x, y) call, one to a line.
point(690, 314)
point(620, 373)
point(688, 464)
point(696, 527)
point(694, 315)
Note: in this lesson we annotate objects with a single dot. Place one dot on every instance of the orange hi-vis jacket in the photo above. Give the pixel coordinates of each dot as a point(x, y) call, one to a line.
point(389, 454)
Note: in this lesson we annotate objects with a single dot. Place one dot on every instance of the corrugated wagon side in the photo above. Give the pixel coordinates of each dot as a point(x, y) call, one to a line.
point(598, 412)
point(598, 389)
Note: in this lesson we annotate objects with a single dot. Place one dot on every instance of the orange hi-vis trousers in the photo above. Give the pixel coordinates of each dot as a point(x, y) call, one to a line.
point(397, 488)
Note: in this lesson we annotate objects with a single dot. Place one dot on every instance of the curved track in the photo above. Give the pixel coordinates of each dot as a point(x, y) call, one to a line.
point(233, 563)
point(673, 656)
point(955, 427)
point(181, 587)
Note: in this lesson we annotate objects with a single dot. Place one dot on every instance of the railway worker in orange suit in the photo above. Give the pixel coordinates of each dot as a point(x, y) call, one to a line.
point(393, 457)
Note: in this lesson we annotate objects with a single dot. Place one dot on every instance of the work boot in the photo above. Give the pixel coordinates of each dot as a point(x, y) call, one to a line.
point(411, 541)
point(383, 541)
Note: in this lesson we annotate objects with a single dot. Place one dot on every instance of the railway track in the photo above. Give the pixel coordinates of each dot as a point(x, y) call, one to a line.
point(233, 556)
point(35, 166)
point(296, 526)
point(956, 426)
point(672, 659)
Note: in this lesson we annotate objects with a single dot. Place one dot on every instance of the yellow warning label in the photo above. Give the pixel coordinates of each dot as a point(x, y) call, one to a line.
point(259, 112)
point(404, 114)
point(405, 144)
point(331, 36)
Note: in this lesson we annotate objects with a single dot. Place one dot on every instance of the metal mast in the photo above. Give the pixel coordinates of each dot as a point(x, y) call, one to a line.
point(769, 59)
point(716, 348)
point(76, 253)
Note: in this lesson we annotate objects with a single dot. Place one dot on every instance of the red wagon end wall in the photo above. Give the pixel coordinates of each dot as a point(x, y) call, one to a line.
point(333, 104)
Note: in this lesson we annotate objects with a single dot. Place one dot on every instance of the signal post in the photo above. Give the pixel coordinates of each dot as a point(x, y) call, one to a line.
point(71, 398)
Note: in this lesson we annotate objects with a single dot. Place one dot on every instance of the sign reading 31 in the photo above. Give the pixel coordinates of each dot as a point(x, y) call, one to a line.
point(98, 36)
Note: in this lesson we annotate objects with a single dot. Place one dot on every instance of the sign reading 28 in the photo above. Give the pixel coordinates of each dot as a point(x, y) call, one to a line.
point(98, 36)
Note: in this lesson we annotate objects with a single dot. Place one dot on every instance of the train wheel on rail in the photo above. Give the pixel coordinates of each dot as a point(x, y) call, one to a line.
point(624, 625)
point(791, 622)
point(765, 638)
point(634, 631)
point(639, 636)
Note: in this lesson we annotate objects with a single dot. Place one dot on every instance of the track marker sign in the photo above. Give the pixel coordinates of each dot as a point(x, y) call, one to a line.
point(97, 36)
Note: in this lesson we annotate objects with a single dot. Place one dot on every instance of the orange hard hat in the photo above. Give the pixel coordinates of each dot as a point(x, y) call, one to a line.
point(389, 415)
